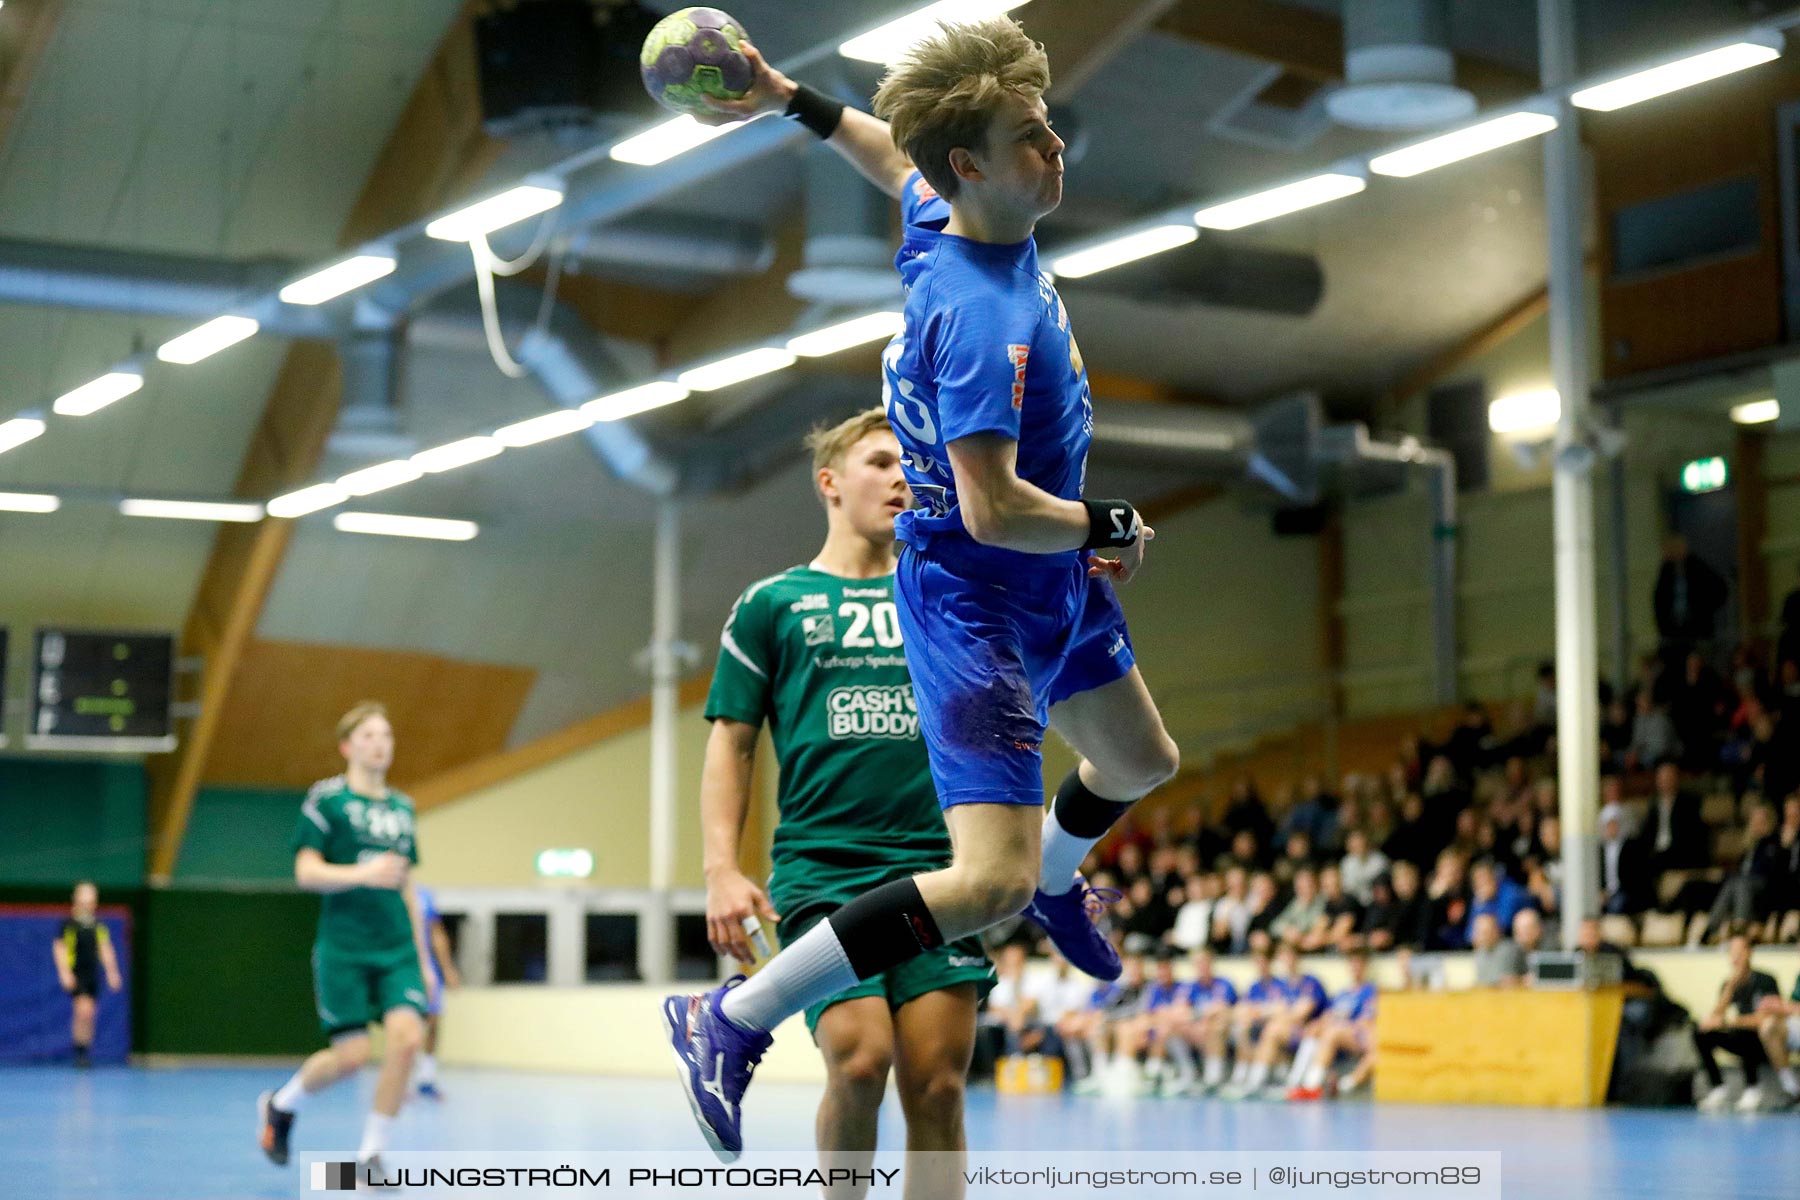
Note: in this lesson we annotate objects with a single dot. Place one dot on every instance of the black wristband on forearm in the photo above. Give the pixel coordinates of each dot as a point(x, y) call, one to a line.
point(1111, 523)
point(815, 110)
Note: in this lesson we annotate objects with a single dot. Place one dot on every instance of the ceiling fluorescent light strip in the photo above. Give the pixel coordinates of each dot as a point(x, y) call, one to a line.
point(886, 43)
point(28, 502)
point(673, 137)
point(496, 212)
point(855, 332)
point(456, 454)
point(395, 525)
point(533, 430)
point(379, 477)
point(18, 431)
point(192, 510)
point(96, 394)
point(1280, 201)
point(1121, 250)
point(635, 400)
point(307, 500)
point(736, 369)
point(1525, 412)
point(1462, 144)
point(207, 340)
point(1640, 86)
point(335, 280)
point(1757, 412)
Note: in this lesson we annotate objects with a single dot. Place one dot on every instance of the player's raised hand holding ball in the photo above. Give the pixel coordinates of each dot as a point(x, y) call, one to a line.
point(699, 61)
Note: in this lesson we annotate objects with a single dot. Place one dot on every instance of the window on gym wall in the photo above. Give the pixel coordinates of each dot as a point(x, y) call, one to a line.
point(453, 929)
point(694, 957)
point(521, 947)
point(612, 948)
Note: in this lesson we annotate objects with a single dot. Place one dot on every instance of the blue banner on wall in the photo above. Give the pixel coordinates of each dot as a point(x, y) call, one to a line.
point(34, 1010)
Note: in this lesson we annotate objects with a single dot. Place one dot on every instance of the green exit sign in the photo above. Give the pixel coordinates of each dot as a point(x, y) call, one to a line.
point(565, 864)
point(1704, 475)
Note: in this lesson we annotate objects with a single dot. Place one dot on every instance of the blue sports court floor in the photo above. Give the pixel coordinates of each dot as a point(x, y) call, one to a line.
point(118, 1134)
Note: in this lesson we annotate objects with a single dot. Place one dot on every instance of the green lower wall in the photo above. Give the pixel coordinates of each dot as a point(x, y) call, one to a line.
point(61, 821)
point(240, 835)
point(228, 972)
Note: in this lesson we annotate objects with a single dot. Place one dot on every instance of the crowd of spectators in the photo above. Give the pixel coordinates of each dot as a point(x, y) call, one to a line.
point(1468, 826)
point(1456, 845)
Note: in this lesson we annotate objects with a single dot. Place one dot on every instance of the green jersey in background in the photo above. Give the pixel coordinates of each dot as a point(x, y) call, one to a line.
point(346, 828)
point(819, 658)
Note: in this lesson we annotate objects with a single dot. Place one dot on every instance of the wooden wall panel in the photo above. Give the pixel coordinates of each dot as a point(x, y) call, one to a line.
point(276, 729)
point(476, 774)
point(1722, 131)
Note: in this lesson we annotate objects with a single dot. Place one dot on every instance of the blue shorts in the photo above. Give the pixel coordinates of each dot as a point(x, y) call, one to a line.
point(989, 656)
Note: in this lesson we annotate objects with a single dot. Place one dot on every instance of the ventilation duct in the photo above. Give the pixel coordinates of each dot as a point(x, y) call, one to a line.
point(1217, 274)
point(574, 366)
point(674, 246)
point(849, 250)
point(154, 284)
point(1398, 67)
point(368, 424)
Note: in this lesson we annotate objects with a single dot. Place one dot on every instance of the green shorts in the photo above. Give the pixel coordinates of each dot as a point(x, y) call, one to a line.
point(958, 962)
point(353, 991)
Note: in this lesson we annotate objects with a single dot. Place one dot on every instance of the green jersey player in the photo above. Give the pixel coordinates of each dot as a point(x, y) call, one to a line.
point(815, 653)
point(355, 844)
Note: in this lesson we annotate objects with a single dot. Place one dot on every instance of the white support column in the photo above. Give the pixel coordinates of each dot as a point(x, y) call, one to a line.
point(1618, 549)
point(566, 940)
point(477, 949)
point(1443, 575)
point(1577, 715)
point(656, 926)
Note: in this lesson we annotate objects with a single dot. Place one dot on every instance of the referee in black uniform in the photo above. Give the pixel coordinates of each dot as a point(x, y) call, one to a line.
point(82, 950)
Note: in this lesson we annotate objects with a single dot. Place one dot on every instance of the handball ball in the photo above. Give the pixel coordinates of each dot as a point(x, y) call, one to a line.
point(694, 52)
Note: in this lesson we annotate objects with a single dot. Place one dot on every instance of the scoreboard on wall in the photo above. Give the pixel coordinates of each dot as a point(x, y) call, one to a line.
point(101, 692)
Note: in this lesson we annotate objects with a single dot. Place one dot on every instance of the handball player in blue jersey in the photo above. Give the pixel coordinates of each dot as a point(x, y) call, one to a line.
point(1005, 604)
point(1347, 1025)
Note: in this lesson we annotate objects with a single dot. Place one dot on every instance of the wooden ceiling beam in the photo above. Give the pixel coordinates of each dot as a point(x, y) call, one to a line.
point(33, 24)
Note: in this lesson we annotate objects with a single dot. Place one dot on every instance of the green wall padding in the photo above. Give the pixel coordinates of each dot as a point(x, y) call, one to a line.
point(61, 821)
point(240, 835)
point(228, 972)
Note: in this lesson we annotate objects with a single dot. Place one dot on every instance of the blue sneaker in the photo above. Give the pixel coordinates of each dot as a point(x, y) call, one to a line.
point(1069, 921)
point(714, 1061)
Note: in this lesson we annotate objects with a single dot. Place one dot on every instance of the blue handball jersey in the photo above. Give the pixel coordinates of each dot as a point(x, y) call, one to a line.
point(1217, 991)
point(1307, 988)
point(1159, 996)
point(1354, 1004)
point(985, 348)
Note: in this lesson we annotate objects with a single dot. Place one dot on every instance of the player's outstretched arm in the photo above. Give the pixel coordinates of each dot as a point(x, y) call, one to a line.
point(725, 783)
point(1001, 509)
point(862, 139)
